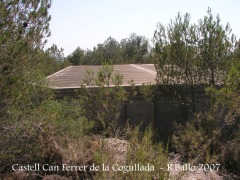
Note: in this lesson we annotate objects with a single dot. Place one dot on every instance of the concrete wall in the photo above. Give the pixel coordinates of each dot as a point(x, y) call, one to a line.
point(165, 117)
point(139, 112)
point(162, 114)
point(167, 110)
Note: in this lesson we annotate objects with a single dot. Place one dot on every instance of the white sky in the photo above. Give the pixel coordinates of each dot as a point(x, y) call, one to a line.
point(86, 23)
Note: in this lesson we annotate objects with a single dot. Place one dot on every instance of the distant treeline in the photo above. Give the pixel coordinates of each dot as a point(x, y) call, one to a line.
point(135, 49)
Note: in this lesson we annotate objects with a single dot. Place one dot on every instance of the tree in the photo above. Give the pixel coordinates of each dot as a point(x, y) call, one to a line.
point(135, 49)
point(193, 54)
point(56, 53)
point(221, 124)
point(176, 54)
point(77, 57)
point(205, 53)
point(109, 51)
point(23, 27)
point(103, 104)
point(215, 43)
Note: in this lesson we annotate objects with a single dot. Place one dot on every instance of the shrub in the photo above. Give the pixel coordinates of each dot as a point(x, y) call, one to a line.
point(140, 150)
point(189, 141)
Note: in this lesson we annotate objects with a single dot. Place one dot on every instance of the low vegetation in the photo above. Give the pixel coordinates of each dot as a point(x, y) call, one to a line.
point(36, 127)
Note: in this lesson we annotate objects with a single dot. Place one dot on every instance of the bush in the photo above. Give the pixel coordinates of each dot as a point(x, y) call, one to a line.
point(230, 156)
point(189, 141)
point(140, 150)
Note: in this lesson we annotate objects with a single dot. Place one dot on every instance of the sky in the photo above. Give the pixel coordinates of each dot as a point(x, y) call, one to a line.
point(86, 23)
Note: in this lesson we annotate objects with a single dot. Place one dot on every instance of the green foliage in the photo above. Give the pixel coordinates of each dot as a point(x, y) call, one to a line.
point(168, 94)
point(134, 49)
point(227, 97)
point(108, 51)
point(205, 53)
point(143, 150)
point(56, 53)
point(175, 52)
point(103, 104)
point(67, 117)
point(210, 135)
point(22, 28)
point(189, 141)
point(176, 55)
point(77, 57)
point(192, 54)
point(35, 127)
point(226, 108)
point(50, 61)
point(215, 134)
point(215, 43)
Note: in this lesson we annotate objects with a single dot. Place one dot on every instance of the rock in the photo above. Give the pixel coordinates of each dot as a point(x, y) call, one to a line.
point(117, 149)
